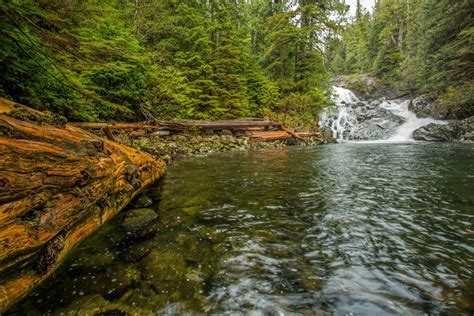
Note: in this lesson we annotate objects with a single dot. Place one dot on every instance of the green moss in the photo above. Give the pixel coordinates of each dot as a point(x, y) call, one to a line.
point(25, 114)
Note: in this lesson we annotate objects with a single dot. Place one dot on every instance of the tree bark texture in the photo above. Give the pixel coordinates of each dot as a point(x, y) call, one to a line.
point(57, 186)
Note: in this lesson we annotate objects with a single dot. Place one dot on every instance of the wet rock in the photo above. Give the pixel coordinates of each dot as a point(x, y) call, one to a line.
point(142, 201)
point(454, 131)
point(315, 312)
point(164, 269)
point(136, 252)
point(97, 305)
point(144, 297)
point(138, 221)
point(116, 282)
point(161, 133)
point(96, 261)
point(110, 284)
point(371, 123)
point(424, 106)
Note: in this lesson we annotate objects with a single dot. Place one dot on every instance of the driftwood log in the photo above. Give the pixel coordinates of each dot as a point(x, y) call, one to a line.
point(57, 186)
point(280, 135)
point(181, 126)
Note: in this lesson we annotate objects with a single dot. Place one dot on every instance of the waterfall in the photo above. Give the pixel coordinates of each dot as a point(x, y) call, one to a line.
point(412, 122)
point(342, 95)
point(353, 119)
point(341, 119)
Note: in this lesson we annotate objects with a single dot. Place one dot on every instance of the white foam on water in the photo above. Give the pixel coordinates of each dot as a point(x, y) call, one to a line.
point(412, 122)
point(342, 119)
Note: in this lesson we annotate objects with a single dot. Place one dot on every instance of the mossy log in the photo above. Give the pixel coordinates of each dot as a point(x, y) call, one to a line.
point(57, 186)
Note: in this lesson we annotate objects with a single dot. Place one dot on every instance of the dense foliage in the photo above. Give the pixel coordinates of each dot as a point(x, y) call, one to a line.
point(422, 46)
point(127, 59)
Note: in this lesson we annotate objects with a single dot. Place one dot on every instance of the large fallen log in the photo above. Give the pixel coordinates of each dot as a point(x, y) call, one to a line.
point(57, 186)
point(281, 135)
point(124, 126)
point(233, 124)
point(180, 126)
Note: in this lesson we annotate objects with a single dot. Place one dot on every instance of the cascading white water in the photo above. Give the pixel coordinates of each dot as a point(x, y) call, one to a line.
point(341, 118)
point(342, 95)
point(352, 119)
point(412, 122)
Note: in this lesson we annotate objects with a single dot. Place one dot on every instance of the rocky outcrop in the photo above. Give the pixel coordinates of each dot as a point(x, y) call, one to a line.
point(424, 106)
point(139, 222)
point(363, 121)
point(57, 185)
point(453, 131)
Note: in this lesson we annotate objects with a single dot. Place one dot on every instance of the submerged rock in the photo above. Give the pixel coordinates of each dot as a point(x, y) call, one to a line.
point(163, 266)
point(137, 221)
point(136, 252)
point(96, 261)
point(454, 131)
point(142, 201)
point(97, 305)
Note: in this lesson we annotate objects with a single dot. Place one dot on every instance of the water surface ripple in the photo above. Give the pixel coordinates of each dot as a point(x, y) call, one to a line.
point(367, 229)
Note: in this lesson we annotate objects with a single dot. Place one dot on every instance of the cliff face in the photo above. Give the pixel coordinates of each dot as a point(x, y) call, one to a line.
point(58, 184)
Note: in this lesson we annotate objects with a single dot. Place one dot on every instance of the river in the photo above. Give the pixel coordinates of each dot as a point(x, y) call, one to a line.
point(348, 229)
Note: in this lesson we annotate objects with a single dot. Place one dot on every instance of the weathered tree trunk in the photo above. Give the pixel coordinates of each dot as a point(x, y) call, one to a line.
point(57, 186)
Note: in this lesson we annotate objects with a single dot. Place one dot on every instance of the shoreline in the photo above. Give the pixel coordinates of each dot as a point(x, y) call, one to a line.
point(174, 147)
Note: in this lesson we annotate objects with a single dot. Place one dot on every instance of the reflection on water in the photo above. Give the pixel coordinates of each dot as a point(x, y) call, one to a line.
point(347, 228)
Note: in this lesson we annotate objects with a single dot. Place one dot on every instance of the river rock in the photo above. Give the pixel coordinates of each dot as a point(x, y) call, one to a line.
point(454, 131)
point(136, 252)
point(373, 123)
point(97, 305)
point(110, 284)
point(139, 221)
point(142, 201)
point(164, 269)
point(95, 262)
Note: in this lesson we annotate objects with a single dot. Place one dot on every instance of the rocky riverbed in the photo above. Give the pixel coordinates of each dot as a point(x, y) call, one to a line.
point(170, 147)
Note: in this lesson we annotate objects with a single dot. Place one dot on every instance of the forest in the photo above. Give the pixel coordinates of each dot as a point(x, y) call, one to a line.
point(135, 59)
point(161, 157)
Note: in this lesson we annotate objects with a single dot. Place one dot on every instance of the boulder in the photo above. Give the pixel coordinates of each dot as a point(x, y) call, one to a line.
point(140, 221)
point(423, 106)
point(137, 251)
point(454, 131)
point(142, 201)
point(97, 305)
point(164, 269)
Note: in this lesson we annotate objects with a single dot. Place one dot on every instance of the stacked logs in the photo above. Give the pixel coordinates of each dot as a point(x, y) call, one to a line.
point(256, 129)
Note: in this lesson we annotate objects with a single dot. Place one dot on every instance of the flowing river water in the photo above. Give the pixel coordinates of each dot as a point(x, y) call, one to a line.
point(345, 229)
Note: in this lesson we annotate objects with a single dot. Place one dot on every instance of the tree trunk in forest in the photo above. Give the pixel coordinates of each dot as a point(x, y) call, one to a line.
point(57, 186)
